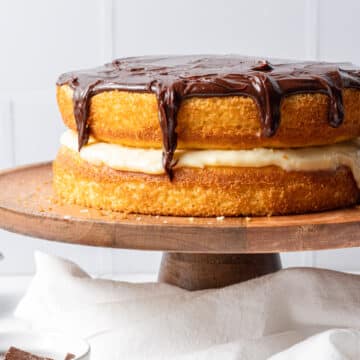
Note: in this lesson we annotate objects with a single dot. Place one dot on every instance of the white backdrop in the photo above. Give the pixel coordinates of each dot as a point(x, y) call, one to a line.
point(40, 39)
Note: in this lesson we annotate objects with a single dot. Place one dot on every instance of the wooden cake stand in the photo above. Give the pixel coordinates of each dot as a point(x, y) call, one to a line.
point(199, 253)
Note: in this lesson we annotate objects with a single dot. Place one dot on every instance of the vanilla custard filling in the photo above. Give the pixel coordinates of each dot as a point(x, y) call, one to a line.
point(149, 161)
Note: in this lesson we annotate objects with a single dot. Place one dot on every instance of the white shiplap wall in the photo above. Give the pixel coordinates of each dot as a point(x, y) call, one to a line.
point(40, 39)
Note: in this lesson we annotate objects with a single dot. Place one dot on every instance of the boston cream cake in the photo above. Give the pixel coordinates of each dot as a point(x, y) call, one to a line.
point(210, 136)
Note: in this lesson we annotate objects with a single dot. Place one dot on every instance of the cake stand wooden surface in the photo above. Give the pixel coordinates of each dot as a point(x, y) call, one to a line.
point(199, 252)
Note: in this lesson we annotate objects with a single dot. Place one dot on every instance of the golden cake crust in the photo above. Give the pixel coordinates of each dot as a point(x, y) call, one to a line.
point(231, 122)
point(212, 191)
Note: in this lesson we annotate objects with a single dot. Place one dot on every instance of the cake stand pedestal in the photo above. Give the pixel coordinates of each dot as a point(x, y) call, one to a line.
point(199, 253)
point(205, 271)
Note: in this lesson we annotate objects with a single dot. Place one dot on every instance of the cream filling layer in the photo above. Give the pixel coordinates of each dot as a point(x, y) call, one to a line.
point(149, 161)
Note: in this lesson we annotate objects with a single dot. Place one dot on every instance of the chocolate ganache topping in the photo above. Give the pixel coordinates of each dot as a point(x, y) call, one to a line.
point(174, 78)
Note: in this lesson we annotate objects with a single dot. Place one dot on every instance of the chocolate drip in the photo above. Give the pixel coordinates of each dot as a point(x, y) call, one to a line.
point(169, 104)
point(81, 101)
point(175, 78)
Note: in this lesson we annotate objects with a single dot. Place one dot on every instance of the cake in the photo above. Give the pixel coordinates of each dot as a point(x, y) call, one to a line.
point(210, 136)
point(17, 354)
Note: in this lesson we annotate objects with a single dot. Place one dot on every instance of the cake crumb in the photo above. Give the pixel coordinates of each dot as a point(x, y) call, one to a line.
point(191, 219)
point(248, 219)
point(67, 217)
point(165, 222)
point(106, 213)
point(220, 218)
point(138, 218)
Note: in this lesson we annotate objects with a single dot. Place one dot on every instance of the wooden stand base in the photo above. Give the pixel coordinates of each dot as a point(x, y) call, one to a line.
point(205, 271)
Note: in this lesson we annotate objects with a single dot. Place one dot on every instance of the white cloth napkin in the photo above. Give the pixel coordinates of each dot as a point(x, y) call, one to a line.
point(292, 314)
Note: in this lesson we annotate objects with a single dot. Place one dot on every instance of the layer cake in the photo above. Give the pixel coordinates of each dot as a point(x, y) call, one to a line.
point(210, 136)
